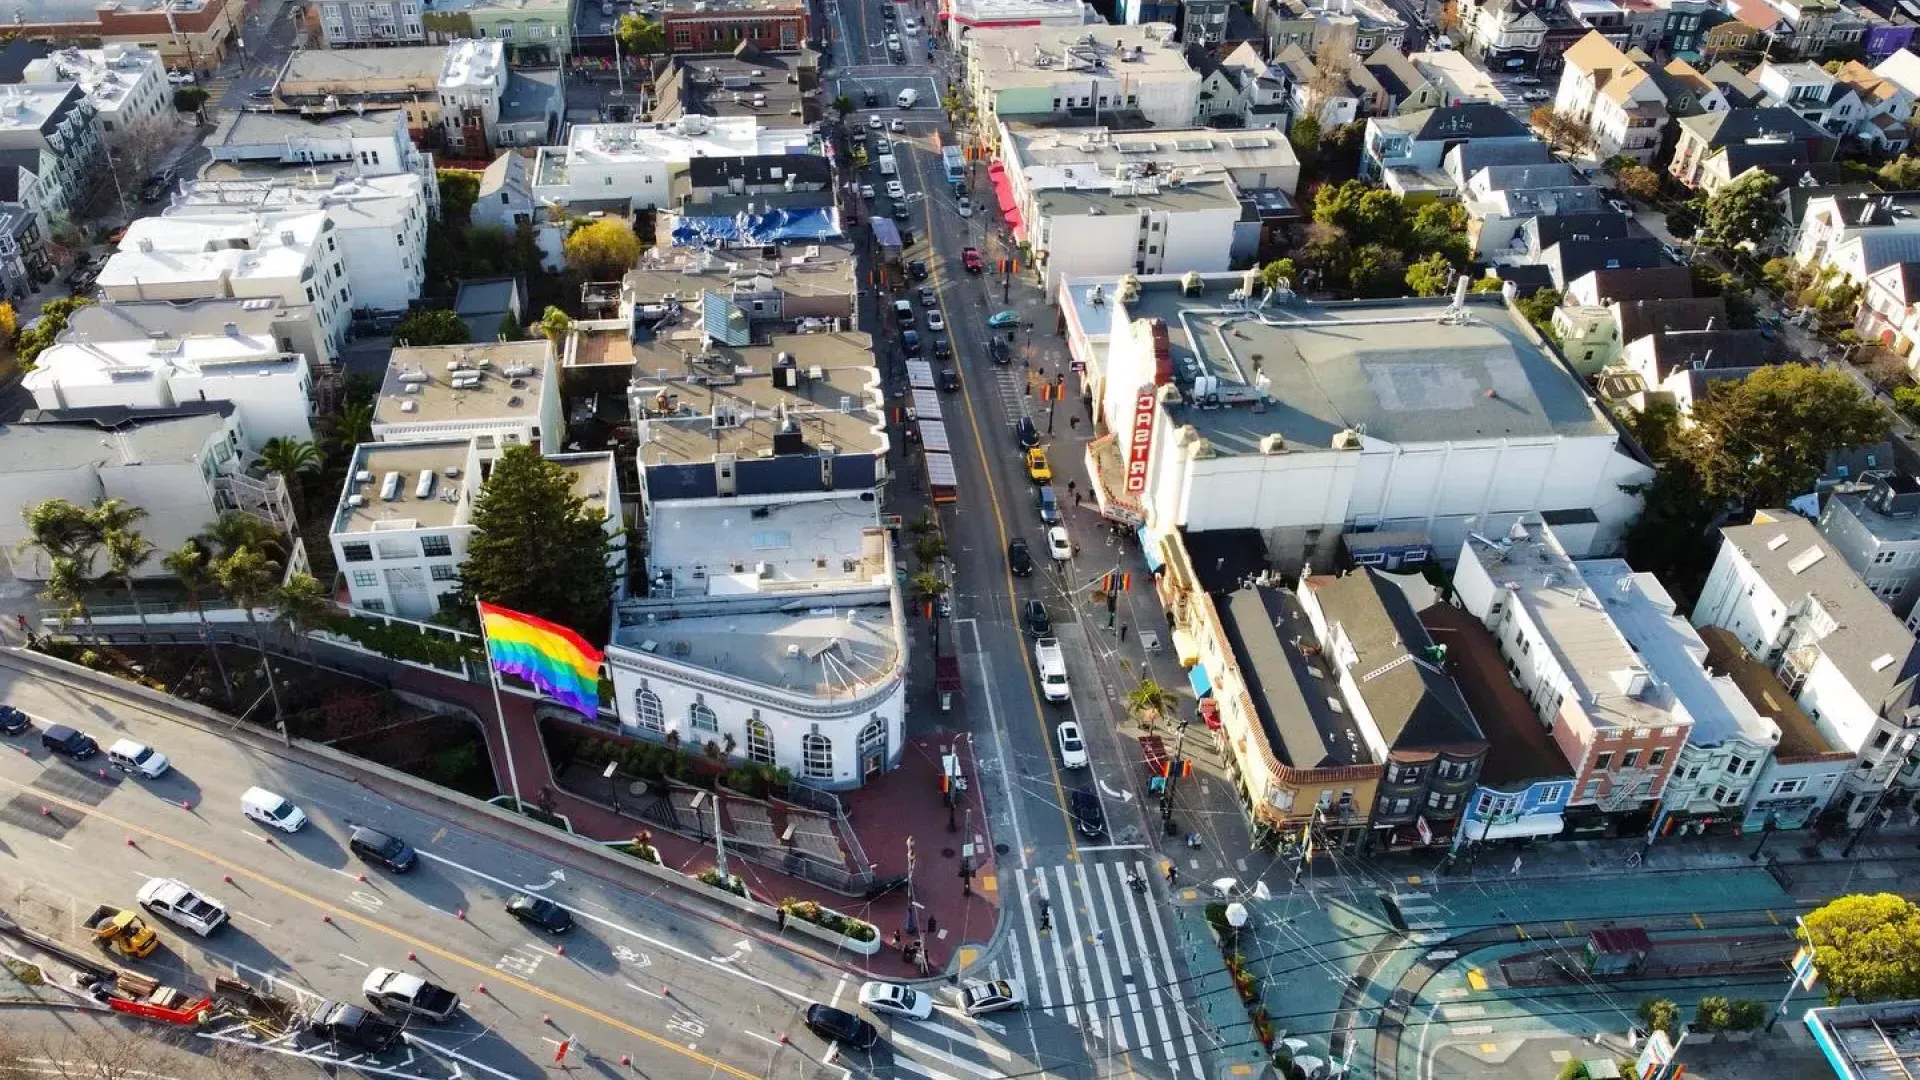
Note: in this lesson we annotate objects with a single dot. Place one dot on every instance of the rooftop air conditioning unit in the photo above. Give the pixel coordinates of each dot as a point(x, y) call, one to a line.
point(362, 477)
point(453, 472)
point(409, 406)
point(390, 487)
point(356, 500)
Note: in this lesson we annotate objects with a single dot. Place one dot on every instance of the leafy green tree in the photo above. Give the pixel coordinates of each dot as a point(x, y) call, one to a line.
point(432, 326)
point(189, 99)
point(1305, 137)
point(354, 425)
point(288, 459)
point(66, 588)
point(1279, 270)
point(113, 521)
point(1744, 212)
point(1488, 284)
point(604, 250)
point(1867, 947)
point(53, 323)
point(459, 190)
point(1762, 440)
point(1380, 218)
point(1428, 277)
point(537, 546)
point(1376, 271)
point(843, 105)
point(1661, 1014)
point(928, 586)
point(1326, 256)
point(1539, 307)
point(188, 565)
point(301, 604)
point(249, 579)
point(640, 36)
point(1339, 205)
point(1901, 174)
point(235, 529)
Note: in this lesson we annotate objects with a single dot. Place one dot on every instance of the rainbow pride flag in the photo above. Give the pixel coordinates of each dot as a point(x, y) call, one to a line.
point(548, 655)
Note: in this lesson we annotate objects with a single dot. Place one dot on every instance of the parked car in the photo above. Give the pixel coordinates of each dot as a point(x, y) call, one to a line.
point(1033, 615)
point(997, 349)
point(874, 123)
point(917, 270)
point(1019, 557)
point(67, 742)
point(949, 379)
point(1048, 504)
point(964, 205)
point(970, 258)
point(1526, 80)
point(992, 996)
point(13, 721)
point(382, 849)
point(1073, 749)
point(1038, 470)
point(182, 78)
point(896, 1000)
point(1535, 95)
point(942, 348)
point(1085, 807)
point(910, 342)
point(866, 191)
point(903, 310)
point(352, 1026)
point(1621, 206)
point(1000, 320)
point(540, 913)
point(928, 298)
point(134, 757)
point(177, 902)
point(896, 124)
point(896, 190)
point(1058, 544)
point(1027, 434)
point(396, 991)
point(841, 1026)
point(267, 808)
point(260, 94)
point(900, 212)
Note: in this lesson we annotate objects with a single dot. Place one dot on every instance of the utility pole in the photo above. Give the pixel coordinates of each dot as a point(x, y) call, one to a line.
point(720, 846)
point(966, 857)
point(910, 926)
point(1174, 766)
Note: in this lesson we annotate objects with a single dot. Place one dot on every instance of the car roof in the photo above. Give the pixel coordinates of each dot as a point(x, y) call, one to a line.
point(374, 836)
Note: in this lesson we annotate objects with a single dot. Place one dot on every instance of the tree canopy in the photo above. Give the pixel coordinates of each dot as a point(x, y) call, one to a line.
point(53, 323)
point(1639, 182)
point(1743, 212)
point(1762, 440)
point(459, 189)
point(1901, 174)
point(640, 36)
point(1867, 947)
point(602, 250)
point(537, 547)
point(432, 326)
point(1428, 277)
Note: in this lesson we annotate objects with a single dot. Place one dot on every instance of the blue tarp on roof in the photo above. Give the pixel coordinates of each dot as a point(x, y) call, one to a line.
point(769, 227)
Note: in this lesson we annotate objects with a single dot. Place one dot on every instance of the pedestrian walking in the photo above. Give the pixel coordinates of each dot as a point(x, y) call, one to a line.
point(1073, 422)
point(1123, 633)
point(933, 926)
point(1076, 498)
point(896, 939)
point(1171, 872)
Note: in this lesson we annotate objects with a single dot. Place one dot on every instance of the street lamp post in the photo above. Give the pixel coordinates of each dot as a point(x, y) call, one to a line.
point(1766, 833)
point(613, 786)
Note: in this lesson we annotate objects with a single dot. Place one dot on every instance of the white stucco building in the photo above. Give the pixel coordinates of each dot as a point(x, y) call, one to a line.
point(1306, 421)
point(1038, 71)
point(502, 389)
point(1618, 100)
point(1792, 601)
point(639, 162)
point(126, 84)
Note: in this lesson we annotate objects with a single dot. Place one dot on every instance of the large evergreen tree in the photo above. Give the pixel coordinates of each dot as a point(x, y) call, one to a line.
point(537, 547)
point(1762, 440)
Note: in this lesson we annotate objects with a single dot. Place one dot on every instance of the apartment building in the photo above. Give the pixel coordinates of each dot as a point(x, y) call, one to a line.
point(1717, 147)
point(346, 24)
point(506, 390)
point(1855, 236)
point(963, 18)
point(1813, 93)
point(640, 163)
point(1615, 97)
point(1621, 728)
point(697, 26)
point(1875, 528)
point(127, 87)
point(195, 35)
point(1791, 600)
point(52, 131)
point(369, 144)
point(1069, 73)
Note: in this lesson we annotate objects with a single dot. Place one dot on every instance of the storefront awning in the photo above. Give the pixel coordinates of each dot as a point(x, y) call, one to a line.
point(1530, 826)
point(1197, 678)
point(1185, 648)
point(1146, 547)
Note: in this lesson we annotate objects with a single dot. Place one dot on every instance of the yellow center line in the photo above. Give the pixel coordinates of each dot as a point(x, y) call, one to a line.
point(420, 944)
point(993, 503)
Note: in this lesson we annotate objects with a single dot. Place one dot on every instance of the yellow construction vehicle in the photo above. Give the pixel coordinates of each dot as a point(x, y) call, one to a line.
point(123, 932)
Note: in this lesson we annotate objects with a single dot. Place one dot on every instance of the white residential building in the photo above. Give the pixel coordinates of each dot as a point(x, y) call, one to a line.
point(639, 162)
point(1792, 601)
point(1393, 415)
point(1621, 727)
point(405, 516)
point(504, 390)
point(1100, 203)
point(1813, 93)
point(201, 253)
point(964, 18)
point(379, 224)
point(1859, 235)
point(375, 143)
point(270, 388)
point(173, 463)
point(1459, 80)
point(1056, 71)
point(1730, 745)
point(473, 82)
point(126, 85)
point(52, 131)
point(1619, 102)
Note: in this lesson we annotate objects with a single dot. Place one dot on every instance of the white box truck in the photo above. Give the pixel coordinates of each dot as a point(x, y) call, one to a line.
point(1052, 666)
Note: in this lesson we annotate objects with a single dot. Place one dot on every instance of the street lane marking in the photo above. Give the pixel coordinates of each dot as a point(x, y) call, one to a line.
point(1699, 922)
point(418, 943)
point(764, 1038)
point(999, 737)
point(617, 928)
point(252, 919)
point(58, 844)
point(354, 960)
point(838, 989)
point(432, 1048)
point(1115, 847)
point(992, 1050)
point(649, 993)
point(938, 1054)
point(913, 1066)
point(957, 1013)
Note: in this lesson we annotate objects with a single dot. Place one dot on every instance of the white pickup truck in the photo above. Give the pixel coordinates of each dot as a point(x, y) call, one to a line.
point(177, 902)
point(1052, 666)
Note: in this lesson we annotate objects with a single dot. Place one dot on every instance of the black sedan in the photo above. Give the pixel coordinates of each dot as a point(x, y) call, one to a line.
point(841, 1026)
point(1034, 614)
point(13, 721)
point(1085, 806)
point(1019, 558)
point(540, 913)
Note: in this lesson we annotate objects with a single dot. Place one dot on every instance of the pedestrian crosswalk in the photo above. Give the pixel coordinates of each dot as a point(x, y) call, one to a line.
point(1105, 965)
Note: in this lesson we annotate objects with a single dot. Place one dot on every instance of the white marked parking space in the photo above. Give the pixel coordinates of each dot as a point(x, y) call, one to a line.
point(522, 963)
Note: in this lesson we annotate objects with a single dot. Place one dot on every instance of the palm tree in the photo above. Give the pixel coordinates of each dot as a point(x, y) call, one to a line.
point(303, 605)
point(67, 582)
point(126, 552)
point(237, 529)
point(354, 425)
point(289, 458)
point(555, 324)
point(1150, 699)
point(57, 527)
point(250, 578)
point(188, 564)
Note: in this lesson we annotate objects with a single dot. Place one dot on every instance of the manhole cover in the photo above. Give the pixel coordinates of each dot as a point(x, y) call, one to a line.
point(1000, 849)
point(948, 852)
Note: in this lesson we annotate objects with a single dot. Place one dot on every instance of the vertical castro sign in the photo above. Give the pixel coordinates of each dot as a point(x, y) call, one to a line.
point(1140, 442)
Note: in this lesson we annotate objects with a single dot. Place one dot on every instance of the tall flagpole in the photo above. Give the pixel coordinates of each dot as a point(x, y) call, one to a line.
point(500, 710)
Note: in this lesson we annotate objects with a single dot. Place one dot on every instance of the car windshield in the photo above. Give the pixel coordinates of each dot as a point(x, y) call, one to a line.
point(141, 757)
point(280, 810)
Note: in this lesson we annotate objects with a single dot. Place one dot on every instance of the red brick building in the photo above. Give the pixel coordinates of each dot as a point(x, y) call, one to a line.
point(193, 34)
point(693, 26)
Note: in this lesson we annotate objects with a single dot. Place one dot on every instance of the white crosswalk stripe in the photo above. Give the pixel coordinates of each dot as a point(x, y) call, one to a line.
point(1096, 967)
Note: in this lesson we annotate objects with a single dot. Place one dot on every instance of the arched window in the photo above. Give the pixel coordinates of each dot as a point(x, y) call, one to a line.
point(646, 710)
point(759, 742)
point(816, 756)
point(873, 746)
point(701, 718)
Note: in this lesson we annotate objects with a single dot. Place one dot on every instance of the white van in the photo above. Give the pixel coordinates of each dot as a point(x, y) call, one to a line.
point(907, 98)
point(132, 757)
point(267, 808)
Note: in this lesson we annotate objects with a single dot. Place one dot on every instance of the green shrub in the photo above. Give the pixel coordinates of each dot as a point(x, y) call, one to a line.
point(829, 919)
point(1714, 1014)
point(1747, 1014)
point(732, 883)
point(1660, 1014)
